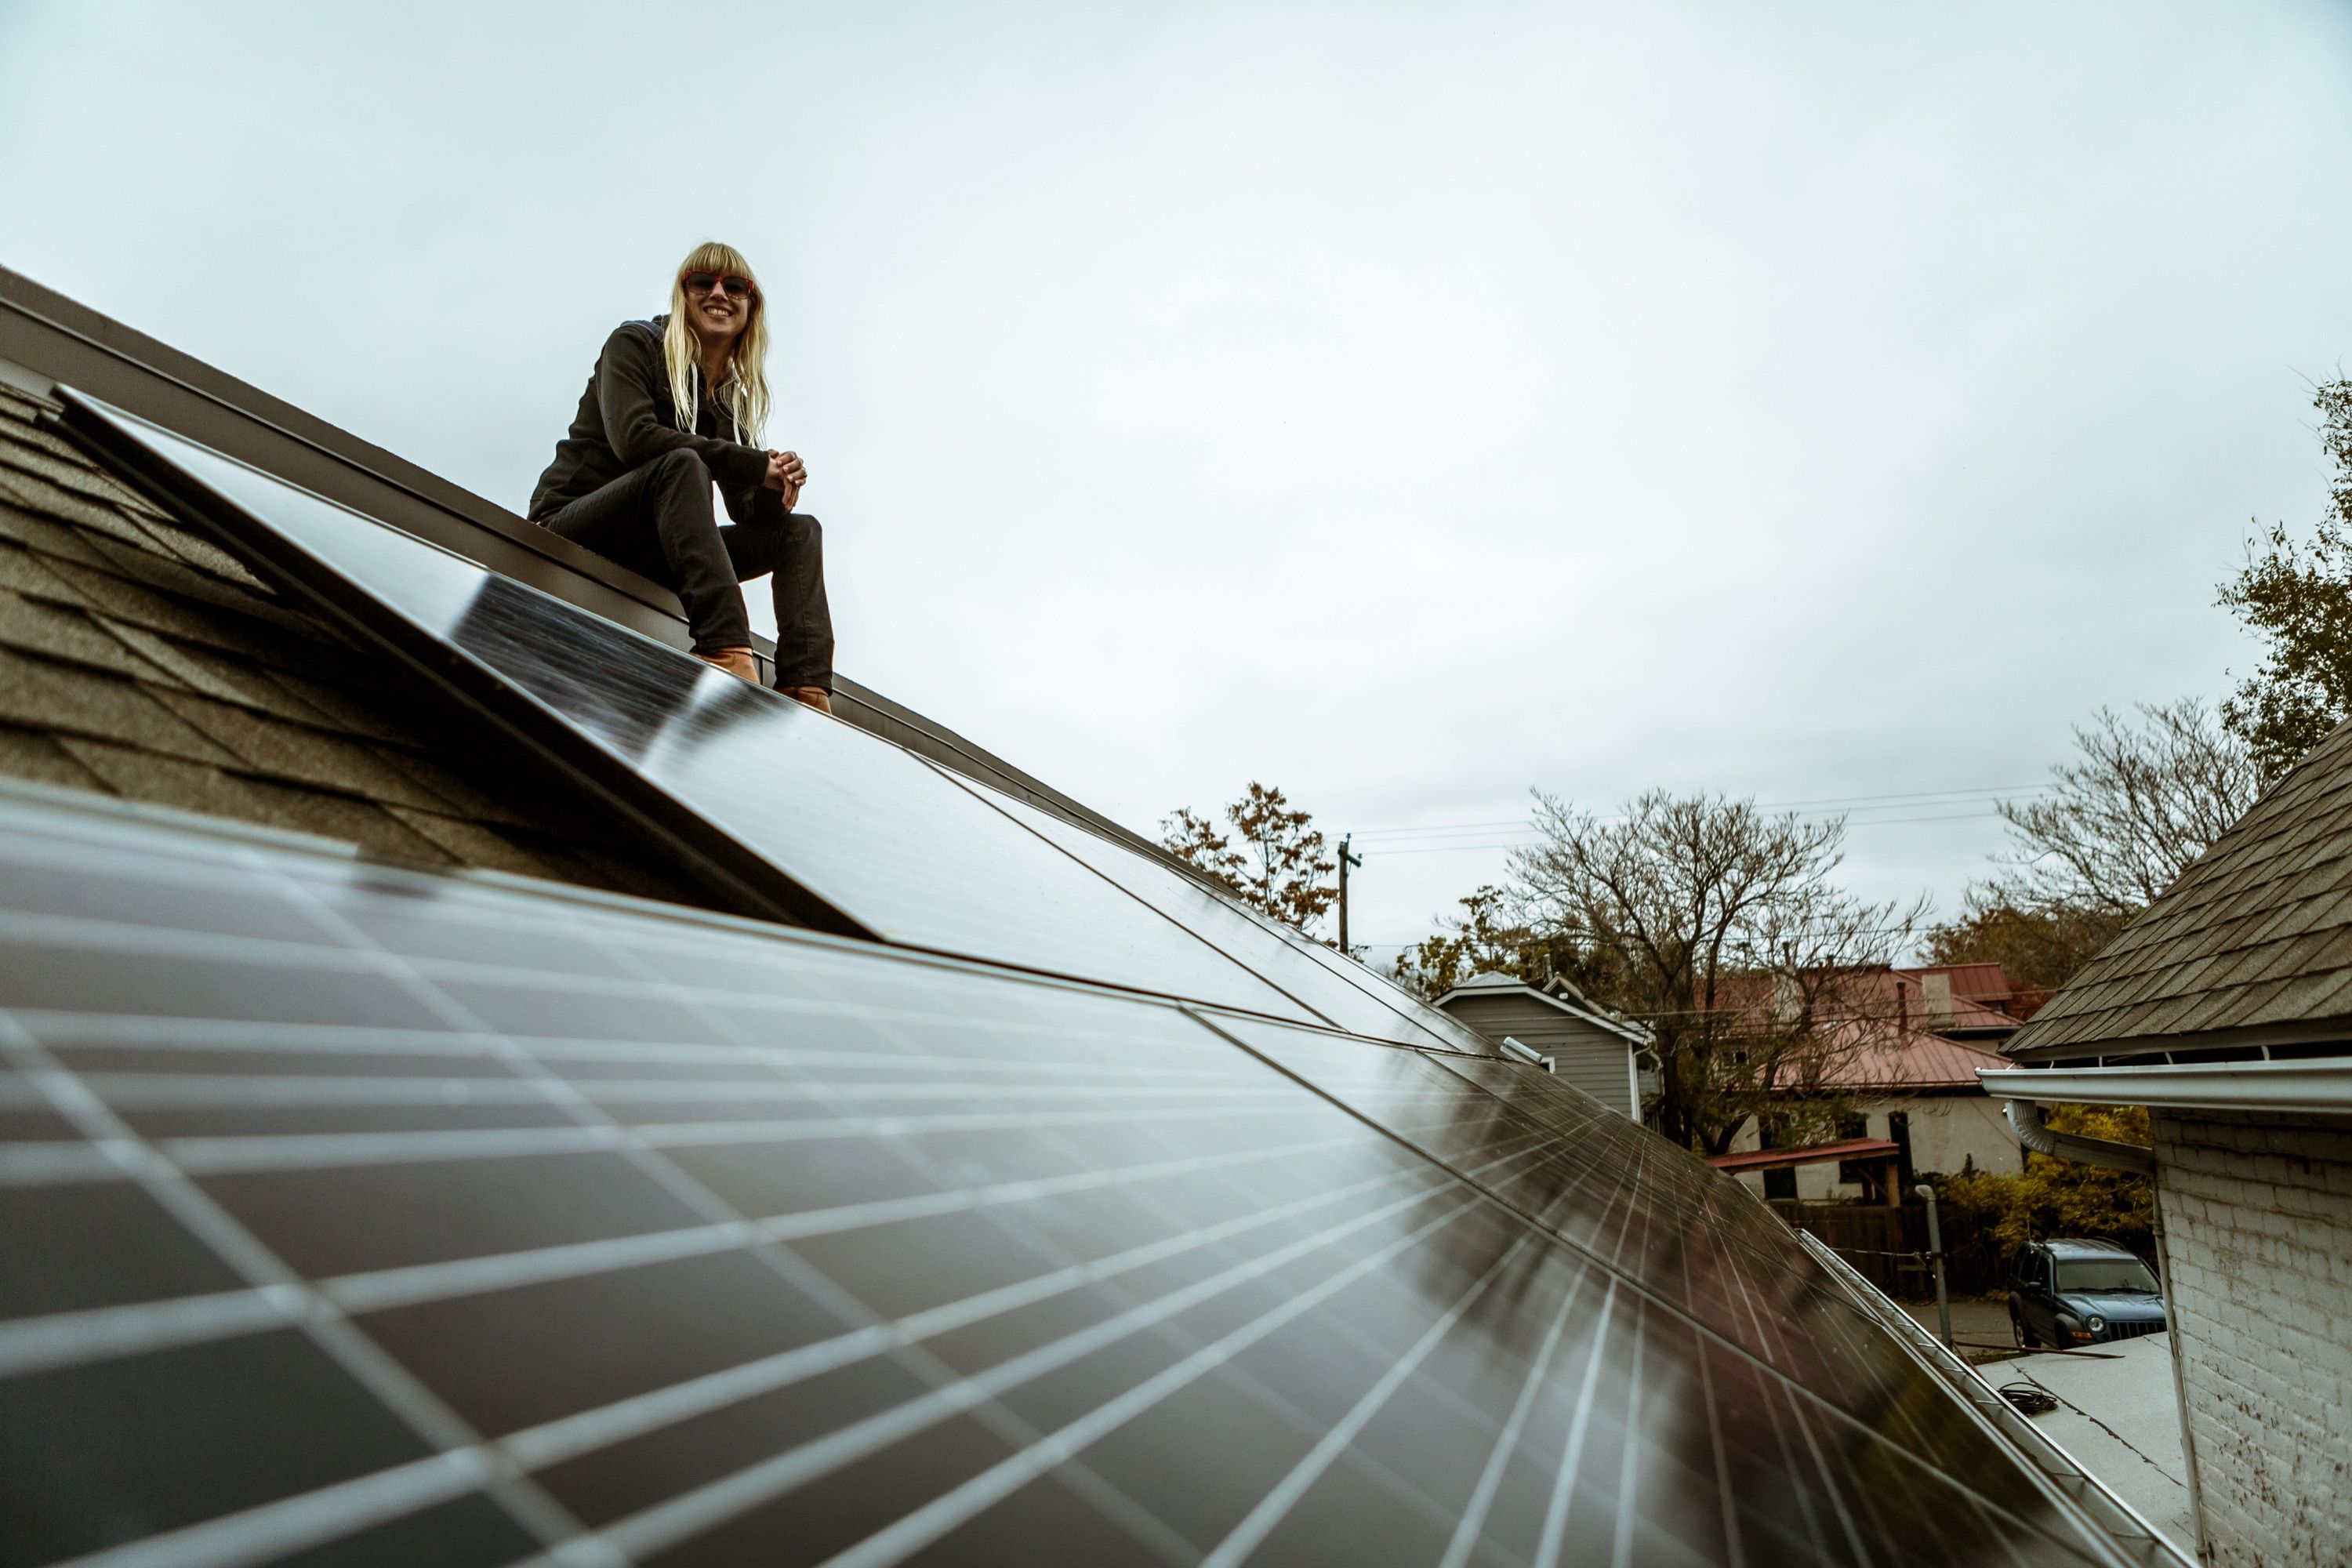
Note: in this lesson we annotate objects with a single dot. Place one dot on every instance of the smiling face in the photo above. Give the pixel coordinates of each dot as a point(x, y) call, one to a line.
point(718, 306)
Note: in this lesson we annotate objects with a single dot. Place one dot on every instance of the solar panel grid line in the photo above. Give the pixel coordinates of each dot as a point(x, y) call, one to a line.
point(1465, 1537)
point(100, 1031)
point(153, 1324)
point(657, 1529)
point(788, 1264)
point(166, 1091)
point(924, 1525)
point(218, 1156)
point(2112, 1515)
point(68, 1338)
point(1004, 806)
point(1794, 1391)
point(573, 1435)
point(1767, 1328)
point(1734, 1548)
point(314, 1518)
point(1047, 1246)
point(1254, 1526)
point(1221, 922)
point(1629, 1473)
point(49, 1163)
point(423, 1411)
point(1785, 1401)
point(58, 1340)
point(1343, 1330)
point(1555, 1524)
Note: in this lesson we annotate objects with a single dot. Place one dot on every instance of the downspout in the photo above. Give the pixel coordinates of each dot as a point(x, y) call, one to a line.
point(2025, 1120)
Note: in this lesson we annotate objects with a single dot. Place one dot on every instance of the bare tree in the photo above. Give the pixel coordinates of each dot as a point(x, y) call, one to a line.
point(1718, 927)
point(1280, 867)
point(2131, 812)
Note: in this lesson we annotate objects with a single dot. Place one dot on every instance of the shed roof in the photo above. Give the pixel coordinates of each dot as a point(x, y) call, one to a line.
point(1493, 984)
point(1819, 1154)
point(2251, 946)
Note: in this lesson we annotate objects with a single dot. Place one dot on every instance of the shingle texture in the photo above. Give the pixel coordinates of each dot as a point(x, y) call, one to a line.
point(2258, 931)
point(139, 660)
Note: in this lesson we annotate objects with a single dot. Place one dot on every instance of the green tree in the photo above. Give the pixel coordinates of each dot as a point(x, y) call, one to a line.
point(2038, 945)
point(2297, 598)
point(1490, 936)
point(1274, 859)
point(2060, 1197)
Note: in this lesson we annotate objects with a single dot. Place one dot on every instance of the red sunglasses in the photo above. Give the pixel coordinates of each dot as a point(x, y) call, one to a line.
point(704, 282)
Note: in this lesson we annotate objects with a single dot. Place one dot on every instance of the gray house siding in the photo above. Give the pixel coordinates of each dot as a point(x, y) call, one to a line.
point(1585, 1054)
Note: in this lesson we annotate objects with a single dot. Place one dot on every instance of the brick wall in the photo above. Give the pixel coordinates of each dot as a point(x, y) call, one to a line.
point(2257, 1214)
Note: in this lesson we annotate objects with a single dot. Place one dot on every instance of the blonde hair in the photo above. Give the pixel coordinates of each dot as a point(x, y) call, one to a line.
point(744, 393)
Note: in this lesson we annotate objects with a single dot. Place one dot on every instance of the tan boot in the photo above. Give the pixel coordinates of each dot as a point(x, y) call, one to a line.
point(815, 697)
point(737, 661)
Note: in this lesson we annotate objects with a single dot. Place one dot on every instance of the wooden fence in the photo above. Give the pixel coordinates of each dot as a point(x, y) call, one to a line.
point(1888, 1247)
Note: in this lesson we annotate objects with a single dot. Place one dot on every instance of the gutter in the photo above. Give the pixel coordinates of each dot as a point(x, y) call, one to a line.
point(2022, 1089)
point(2320, 1084)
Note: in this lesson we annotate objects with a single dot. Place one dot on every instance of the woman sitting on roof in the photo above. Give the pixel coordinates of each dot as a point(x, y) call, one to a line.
point(675, 403)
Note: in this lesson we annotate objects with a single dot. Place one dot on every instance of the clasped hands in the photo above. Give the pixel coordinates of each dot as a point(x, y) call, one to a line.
point(786, 475)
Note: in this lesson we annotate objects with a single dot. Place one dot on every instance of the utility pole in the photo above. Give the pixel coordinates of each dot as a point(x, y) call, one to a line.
point(1346, 860)
point(1936, 1255)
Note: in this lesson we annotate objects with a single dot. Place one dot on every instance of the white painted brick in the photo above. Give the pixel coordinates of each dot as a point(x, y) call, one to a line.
point(2258, 1224)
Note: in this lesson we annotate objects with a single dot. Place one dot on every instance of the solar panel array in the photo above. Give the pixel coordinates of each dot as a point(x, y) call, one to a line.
point(354, 1207)
point(353, 1213)
point(905, 849)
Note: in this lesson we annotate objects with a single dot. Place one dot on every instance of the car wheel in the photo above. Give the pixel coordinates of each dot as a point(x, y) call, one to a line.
point(2024, 1335)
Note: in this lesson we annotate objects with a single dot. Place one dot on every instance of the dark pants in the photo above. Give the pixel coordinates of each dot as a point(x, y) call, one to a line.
point(656, 521)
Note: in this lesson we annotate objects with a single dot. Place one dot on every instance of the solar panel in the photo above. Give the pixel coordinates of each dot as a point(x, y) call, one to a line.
point(420, 1217)
point(851, 823)
point(1355, 1004)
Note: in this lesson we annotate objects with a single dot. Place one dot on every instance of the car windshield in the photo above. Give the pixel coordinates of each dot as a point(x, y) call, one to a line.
point(2128, 1275)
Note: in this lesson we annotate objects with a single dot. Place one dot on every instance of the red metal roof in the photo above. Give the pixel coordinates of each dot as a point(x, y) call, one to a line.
point(1896, 1059)
point(1820, 1153)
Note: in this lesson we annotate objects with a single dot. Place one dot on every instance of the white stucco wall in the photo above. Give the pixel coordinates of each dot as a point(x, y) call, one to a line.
point(1946, 1131)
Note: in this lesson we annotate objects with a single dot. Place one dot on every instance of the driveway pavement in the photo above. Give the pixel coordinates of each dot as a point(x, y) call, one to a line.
point(1979, 1327)
point(2118, 1417)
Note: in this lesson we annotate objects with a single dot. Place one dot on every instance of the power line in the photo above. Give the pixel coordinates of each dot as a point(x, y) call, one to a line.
point(1538, 843)
point(1820, 803)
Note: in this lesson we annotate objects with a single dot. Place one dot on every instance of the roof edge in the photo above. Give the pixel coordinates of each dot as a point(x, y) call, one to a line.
point(48, 339)
point(1625, 1032)
point(2243, 1036)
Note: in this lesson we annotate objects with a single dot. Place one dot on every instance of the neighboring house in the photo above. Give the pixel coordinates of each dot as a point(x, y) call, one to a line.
point(2226, 1010)
point(1912, 1081)
point(1598, 1054)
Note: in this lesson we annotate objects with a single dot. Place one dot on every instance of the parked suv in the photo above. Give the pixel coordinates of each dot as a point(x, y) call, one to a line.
point(2071, 1291)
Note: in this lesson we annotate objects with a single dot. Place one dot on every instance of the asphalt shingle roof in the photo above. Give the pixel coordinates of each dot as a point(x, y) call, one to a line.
point(2257, 931)
point(138, 659)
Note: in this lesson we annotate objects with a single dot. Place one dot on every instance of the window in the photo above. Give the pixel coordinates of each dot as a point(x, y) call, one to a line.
point(1854, 1127)
point(1781, 1183)
point(2126, 1275)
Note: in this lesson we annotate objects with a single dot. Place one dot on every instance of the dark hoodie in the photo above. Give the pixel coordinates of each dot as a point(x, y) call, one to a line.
point(626, 418)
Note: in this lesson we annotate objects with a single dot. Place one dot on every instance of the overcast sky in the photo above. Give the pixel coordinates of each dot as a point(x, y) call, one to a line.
point(1405, 405)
